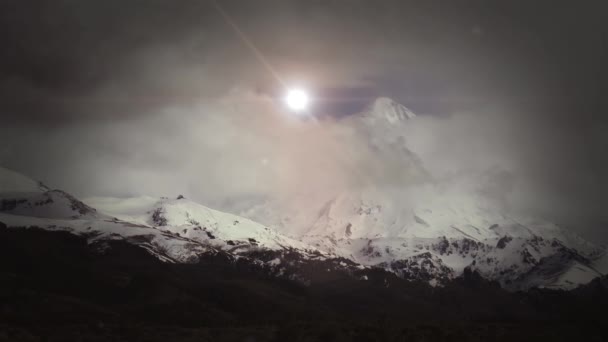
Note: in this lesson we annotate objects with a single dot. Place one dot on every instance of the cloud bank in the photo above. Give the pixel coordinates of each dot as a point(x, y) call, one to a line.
point(151, 98)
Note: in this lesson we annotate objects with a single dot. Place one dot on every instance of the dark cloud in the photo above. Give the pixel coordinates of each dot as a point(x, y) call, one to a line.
point(59, 54)
point(141, 91)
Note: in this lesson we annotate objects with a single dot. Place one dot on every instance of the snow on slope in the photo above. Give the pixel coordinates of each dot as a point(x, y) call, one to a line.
point(190, 219)
point(448, 227)
point(54, 204)
point(24, 203)
point(164, 245)
point(446, 230)
point(173, 230)
point(127, 209)
point(386, 111)
point(432, 211)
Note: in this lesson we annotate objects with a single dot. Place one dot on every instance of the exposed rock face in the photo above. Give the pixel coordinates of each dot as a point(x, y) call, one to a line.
point(502, 243)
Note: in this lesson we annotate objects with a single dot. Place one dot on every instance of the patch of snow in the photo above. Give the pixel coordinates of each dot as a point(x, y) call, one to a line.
point(275, 262)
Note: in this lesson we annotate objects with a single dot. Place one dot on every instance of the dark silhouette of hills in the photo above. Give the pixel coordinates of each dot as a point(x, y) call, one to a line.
point(55, 287)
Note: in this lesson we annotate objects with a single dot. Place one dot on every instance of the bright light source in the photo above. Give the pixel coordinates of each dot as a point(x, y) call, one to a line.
point(297, 99)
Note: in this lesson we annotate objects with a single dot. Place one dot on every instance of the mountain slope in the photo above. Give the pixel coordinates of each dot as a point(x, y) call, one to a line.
point(172, 230)
point(194, 221)
point(52, 204)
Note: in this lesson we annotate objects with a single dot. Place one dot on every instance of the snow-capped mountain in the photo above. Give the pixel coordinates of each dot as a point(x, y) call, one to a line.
point(385, 111)
point(380, 128)
point(425, 229)
point(191, 220)
point(433, 241)
point(176, 230)
point(439, 237)
point(433, 229)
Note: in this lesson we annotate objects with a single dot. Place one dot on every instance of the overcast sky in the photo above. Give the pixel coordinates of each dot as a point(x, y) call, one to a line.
point(122, 98)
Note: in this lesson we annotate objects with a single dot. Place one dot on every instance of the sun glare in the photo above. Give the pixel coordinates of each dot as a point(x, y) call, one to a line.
point(297, 100)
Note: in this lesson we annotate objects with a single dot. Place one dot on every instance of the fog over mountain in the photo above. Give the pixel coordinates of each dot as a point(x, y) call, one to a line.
point(121, 99)
point(303, 170)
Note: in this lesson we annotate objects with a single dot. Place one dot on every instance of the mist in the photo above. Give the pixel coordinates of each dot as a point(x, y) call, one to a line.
point(130, 103)
point(247, 146)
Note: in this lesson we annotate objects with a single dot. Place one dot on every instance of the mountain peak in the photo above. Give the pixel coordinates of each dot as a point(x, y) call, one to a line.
point(384, 108)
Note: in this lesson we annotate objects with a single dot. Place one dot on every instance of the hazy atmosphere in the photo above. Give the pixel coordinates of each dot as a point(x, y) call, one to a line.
point(303, 170)
point(119, 99)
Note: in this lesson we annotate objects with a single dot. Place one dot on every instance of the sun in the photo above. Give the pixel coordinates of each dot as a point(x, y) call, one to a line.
point(297, 99)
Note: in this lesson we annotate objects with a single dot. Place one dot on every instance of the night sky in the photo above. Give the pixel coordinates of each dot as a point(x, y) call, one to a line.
point(124, 98)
